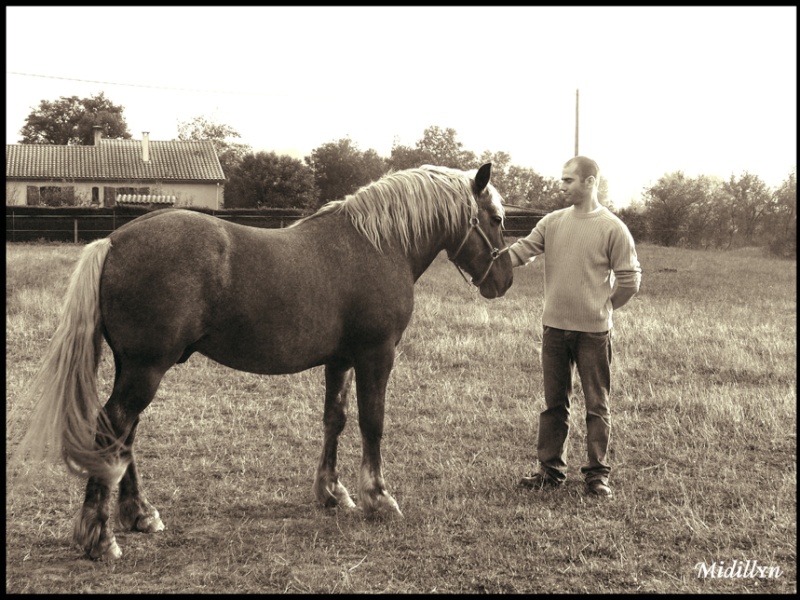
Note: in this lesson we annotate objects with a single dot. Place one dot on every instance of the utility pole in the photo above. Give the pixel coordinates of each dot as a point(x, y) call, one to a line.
point(576, 122)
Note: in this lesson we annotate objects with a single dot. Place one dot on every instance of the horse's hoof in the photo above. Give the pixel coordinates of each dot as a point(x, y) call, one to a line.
point(348, 504)
point(149, 523)
point(334, 495)
point(114, 552)
point(111, 552)
point(383, 506)
point(139, 515)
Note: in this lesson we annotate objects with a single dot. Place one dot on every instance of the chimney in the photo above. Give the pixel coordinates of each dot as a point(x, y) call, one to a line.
point(98, 134)
point(146, 146)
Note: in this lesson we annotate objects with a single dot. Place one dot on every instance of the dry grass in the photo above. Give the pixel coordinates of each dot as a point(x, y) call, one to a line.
point(703, 450)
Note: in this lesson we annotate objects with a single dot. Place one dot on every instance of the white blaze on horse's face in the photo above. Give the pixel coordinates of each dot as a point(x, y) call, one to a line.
point(497, 212)
point(500, 263)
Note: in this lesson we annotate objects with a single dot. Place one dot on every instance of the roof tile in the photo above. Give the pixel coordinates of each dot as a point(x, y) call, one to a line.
point(114, 160)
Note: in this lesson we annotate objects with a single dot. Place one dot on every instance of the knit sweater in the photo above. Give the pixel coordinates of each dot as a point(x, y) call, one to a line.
point(585, 254)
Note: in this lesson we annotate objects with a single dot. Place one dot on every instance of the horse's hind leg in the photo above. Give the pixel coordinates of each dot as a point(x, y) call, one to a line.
point(134, 388)
point(92, 532)
point(134, 512)
point(327, 488)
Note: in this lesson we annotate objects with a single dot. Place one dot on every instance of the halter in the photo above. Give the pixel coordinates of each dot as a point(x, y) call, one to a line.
point(494, 253)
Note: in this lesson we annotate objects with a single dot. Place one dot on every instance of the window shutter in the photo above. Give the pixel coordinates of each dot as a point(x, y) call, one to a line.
point(33, 195)
point(109, 196)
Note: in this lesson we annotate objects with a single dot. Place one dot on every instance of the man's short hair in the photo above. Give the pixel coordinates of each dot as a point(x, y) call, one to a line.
point(585, 167)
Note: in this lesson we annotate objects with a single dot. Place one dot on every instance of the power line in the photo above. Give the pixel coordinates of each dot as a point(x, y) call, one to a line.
point(137, 85)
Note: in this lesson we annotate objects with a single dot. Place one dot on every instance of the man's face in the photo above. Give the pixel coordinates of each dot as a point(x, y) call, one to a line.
point(575, 191)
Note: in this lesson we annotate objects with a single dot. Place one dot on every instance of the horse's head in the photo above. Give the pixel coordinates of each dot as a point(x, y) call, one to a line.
point(482, 251)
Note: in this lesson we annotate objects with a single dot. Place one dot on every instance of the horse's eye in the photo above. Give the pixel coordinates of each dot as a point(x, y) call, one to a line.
point(497, 220)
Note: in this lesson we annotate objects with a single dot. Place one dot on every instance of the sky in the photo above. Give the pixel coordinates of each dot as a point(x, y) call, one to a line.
point(702, 90)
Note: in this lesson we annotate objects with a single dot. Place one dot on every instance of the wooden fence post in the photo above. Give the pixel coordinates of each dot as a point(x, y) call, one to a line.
point(75, 221)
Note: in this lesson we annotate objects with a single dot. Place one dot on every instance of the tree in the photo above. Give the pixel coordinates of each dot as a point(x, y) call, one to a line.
point(266, 179)
point(750, 202)
point(522, 186)
point(404, 157)
point(782, 219)
point(340, 168)
point(501, 162)
point(635, 218)
point(445, 150)
point(230, 153)
point(437, 147)
point(705, 219)
point(70, 120)
point(670, 204)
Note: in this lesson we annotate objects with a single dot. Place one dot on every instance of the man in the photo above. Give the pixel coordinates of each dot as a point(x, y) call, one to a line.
point(591, 269)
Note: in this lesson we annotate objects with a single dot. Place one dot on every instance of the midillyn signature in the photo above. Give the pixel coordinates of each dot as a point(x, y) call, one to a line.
point(738, 569)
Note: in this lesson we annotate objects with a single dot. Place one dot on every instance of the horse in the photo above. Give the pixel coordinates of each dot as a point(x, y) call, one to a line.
point(335, 288)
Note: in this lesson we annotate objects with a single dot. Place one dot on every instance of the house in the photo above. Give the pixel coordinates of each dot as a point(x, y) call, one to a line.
point(113, 172)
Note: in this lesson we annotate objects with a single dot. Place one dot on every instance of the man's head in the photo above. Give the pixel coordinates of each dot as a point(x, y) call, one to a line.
point(584, 166)
point(580, 179)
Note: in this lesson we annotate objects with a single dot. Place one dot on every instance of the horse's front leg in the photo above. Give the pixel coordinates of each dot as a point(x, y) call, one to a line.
point(327, 488)
point(372, 374)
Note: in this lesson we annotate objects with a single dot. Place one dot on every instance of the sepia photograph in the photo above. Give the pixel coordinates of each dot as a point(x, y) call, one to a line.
point(401, 300)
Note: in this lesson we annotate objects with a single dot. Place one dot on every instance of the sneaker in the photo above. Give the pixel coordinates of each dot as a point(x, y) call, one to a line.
point(538, 481)
point(598, 487)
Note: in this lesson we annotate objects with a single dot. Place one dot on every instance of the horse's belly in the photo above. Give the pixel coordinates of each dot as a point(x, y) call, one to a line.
point(263, 365)
point(273, 353)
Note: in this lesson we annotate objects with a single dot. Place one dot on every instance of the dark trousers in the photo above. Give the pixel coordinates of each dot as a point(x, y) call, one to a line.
point(591, 353)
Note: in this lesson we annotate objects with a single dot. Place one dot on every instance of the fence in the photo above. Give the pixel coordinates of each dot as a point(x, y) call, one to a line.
point(28, 224)
point(75, 224)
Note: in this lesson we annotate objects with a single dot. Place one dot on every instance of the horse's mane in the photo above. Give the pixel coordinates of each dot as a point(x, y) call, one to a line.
point(409, 205)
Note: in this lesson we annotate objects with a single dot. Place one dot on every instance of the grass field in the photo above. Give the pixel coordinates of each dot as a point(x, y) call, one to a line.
point(704, 444)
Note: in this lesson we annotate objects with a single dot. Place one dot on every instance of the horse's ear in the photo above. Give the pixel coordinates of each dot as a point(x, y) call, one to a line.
point(482, 178)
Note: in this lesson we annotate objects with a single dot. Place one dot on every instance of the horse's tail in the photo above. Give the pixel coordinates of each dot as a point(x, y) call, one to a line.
point(68, 419)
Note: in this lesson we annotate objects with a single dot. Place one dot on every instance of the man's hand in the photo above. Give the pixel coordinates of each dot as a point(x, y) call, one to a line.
point(621, 295)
